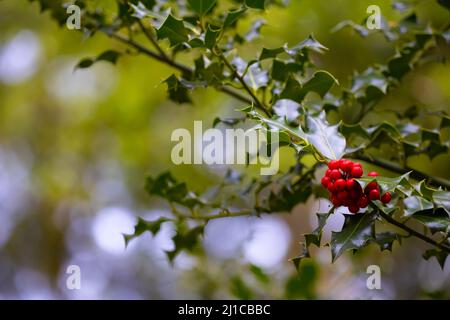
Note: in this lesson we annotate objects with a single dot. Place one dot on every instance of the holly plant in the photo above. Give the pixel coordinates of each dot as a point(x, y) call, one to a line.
point(282, 89)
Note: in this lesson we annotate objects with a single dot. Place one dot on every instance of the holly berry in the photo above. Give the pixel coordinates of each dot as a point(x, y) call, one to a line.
point(333, 164)
point(363, 202)
point(351, 184)
point(374, 194)
point(335, 174)
point(331, 187)
point(386, 198)
point(356, 172)
point(344, 190)
point(325, 181)
point(353, 208)
point(340, 184)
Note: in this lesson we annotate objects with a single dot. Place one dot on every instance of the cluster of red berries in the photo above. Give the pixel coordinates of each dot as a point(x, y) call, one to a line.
point(345, 191)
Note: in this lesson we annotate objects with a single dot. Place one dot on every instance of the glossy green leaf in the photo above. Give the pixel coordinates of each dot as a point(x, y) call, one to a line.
point(385, 240)
point(358, 230)
point(416, 204)
point(325, 138)
point(437, 220)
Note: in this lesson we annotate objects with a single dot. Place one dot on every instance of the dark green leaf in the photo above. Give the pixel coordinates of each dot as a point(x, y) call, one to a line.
point(185, 239)
point(436, 220)
point(177, 91)
point(385, 240)
point(211, 35)
point(416, 204)
point(358, 230)
point(143, 226)
point(255, 4)
point(440, 256)
point(201, 7)
point(174, 30)
point(270, 53)
point(232, 16)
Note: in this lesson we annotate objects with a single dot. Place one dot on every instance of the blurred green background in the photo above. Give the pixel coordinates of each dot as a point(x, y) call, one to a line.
point(76, 146)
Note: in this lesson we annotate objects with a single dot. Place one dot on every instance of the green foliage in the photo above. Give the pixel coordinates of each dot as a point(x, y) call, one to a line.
point(284, 91)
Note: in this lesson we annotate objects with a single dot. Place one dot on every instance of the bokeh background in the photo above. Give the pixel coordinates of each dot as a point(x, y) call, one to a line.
point(76, 146)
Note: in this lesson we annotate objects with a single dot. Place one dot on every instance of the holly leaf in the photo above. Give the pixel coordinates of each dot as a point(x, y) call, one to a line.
point(255, 4)
point(400, 183)
point(385, 240)
point(174, 30)
point(109, 56)
point(358, 230)
point(436, 220)
point(416, 204)
point(321, 82)
point(325, 138)
point(440, 256)
point(232, 17)
point(184, 239)
point(177, 91)
point(309, 43)
point(201, 7)
point(442, 199)
point(316, 235)
point(270, 53)
point(144, 225)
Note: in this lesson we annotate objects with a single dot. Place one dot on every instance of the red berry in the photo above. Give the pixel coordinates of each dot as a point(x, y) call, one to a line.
point(374, 194)
point(340, 184)
point(351, 184)
point(335, 201)
point(353, 208)
point(331, 187)
point(355, 194)
point(373, 174)
point(357, 164)
point(343, 195)
point(333, 164)
point(346, 165)
point(371, 186)
point(325, 181)
point(335, 174)
point(356, 172)
point(328, 173)
point(363, 202)
point(385, 198)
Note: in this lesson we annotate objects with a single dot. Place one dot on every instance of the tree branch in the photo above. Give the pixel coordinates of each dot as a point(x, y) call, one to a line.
point(235, 74)
point(402, 170)
point(410, 231)
point(181, 67)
